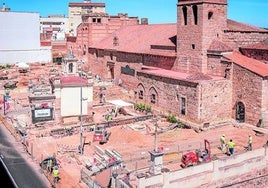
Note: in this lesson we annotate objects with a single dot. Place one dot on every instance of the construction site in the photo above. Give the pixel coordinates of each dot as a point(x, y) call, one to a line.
point(120, 145)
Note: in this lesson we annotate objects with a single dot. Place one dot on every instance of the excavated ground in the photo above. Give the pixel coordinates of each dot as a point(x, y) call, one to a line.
point(133, 141)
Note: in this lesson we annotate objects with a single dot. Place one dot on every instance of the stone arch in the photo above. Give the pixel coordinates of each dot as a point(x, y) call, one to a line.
point(240, 113)
point(141, 91)
point(153, 94)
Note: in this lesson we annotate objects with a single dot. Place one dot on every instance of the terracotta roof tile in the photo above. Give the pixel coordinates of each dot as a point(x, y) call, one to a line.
point(73, 81)
point(248, 63)
point(237, 26)
point(194, 78)
point(140, 38)
point(218, 46)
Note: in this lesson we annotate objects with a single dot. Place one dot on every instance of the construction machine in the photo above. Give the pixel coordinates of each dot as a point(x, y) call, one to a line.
point(196, 157)
point(101, 135)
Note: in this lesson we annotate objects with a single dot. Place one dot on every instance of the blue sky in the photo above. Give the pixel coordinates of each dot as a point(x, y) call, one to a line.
point(253, 12)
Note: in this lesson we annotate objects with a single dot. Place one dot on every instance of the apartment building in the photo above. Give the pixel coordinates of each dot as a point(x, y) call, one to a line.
point(77, 9)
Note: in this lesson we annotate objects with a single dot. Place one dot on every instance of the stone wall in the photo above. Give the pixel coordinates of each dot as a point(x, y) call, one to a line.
point(169, 94)
point(237, 39)
point(247, 88)
point(195, 36)
point(216, 67)
point(103, 61)
point(258, 54)
point(215, 100)
point(245, 169)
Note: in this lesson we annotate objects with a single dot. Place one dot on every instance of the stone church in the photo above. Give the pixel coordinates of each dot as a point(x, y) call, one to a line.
point(203, 69)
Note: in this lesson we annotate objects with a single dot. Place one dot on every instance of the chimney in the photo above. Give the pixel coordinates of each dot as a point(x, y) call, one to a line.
point(144, 21)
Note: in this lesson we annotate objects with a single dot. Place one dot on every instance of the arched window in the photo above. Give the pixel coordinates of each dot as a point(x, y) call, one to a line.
point(184, 10)
point(195, 11)
point(71, 67)
point(153, 95)
point(141, 91)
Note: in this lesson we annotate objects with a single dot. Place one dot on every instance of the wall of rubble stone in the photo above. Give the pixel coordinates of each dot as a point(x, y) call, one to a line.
point(238, 39)
point(215, 100)
point(169, 94)
point(215, 97)
point(247, 88)
point(255, 53)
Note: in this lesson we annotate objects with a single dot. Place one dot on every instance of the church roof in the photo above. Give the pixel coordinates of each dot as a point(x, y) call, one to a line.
point(250, 64)
point(141, 39)
point(238, 26)
point(192, 77)
point(218, 46)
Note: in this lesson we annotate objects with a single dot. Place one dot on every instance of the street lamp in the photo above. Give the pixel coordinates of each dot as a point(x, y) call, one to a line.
point(81, 109)
point(5, 98)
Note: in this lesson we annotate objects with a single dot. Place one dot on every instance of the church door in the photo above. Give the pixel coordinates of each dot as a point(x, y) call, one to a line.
point(240, 112)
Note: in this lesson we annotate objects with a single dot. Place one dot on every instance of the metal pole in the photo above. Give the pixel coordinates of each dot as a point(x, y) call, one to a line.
point(81, 110)
point(155, 138)
point(4, 99)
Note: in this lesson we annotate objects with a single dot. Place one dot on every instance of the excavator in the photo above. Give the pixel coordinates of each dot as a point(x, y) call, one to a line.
point(196, 157)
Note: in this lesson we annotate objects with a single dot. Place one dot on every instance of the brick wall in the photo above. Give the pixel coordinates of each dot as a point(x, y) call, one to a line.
point(247, 88)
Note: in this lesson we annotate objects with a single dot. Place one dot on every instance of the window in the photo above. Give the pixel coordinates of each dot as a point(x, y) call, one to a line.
point(210, 14)
point(85, 50)
point(153, 98)
point(195, 14)
point(70, 68)
point(184, 10)
point(140, 94)
point(183, 106)
point(94, 20)
point(98, 20)
point(115, 41)
point(193, 46)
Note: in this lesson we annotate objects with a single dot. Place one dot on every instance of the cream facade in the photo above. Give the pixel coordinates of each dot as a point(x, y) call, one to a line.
point(76, 10)
point(71, 100)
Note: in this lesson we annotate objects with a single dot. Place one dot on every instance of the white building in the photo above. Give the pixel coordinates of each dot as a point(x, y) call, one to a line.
point(75, 91)
point(20, 39)
point(54, 27)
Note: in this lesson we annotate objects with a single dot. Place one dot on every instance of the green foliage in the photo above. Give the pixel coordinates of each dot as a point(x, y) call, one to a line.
point(143, 107)
point(8, 66)
point(180, 124)
point(148, 108)
point(172, 119)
